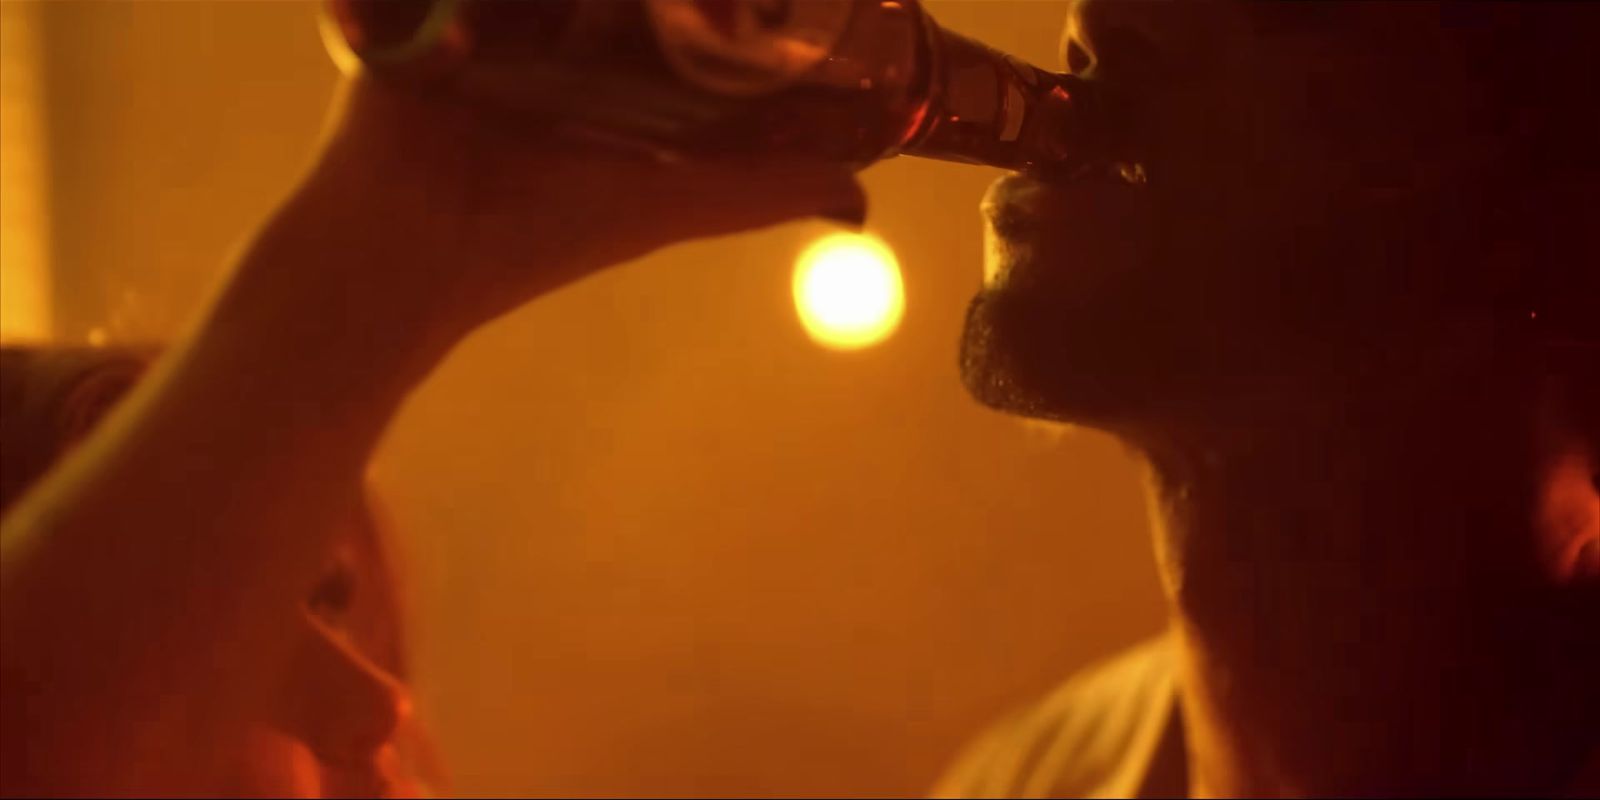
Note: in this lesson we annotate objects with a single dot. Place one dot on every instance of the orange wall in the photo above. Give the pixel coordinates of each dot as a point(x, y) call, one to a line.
point(660, 543)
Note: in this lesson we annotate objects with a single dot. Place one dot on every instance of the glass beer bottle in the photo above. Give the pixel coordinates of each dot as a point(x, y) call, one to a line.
point(851, 80)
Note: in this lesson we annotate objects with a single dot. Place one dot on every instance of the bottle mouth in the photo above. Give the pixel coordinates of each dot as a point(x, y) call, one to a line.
point(1085, 138)
point(390, 31)
point(1074, 140)
point(428, 38)
point(382, 25)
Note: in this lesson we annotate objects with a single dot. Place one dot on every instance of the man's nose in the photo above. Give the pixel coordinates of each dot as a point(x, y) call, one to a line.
point(1144, 40)
point(337, 701)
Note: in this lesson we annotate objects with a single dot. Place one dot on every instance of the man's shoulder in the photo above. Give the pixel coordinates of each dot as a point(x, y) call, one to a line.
point(1098, 734)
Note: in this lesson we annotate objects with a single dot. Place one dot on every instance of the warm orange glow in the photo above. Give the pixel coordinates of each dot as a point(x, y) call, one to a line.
point(848, 292)
point(24, 223)
point(642, 489)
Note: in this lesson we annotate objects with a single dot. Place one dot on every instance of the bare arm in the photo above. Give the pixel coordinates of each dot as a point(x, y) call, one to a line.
point(151, 583)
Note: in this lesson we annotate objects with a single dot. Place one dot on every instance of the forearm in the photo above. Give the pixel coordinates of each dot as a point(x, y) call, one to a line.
point(151, 581)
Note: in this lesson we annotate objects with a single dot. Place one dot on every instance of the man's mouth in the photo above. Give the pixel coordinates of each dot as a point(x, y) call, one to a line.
point(1018, 204)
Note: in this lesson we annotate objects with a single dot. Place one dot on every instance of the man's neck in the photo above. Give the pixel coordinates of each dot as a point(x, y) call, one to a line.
point(1360, 611)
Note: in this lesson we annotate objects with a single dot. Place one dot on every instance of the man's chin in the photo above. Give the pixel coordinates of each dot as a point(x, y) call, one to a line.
point(1024, 359)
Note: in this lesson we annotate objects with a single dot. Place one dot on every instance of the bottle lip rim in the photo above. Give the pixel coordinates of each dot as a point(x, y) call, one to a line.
point(439, 36)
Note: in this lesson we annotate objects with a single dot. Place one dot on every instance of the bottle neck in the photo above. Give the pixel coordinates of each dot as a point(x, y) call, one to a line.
point(986, 107)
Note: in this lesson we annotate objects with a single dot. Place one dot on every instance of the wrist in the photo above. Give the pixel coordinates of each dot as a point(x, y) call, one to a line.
point(323, 293)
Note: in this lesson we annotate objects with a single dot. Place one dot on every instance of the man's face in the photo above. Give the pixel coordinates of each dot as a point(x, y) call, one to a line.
point(1300, 162)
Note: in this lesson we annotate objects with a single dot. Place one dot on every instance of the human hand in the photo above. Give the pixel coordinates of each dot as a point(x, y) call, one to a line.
point(446, 219)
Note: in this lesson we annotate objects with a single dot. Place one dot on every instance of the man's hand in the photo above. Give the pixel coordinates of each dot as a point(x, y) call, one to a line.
point(446, 219)
point(154, 580)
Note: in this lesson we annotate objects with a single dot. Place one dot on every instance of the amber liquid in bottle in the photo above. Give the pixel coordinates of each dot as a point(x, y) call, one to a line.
point(850, 80)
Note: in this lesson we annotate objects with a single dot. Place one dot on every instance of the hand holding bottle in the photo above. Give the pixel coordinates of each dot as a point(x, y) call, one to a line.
point(438, 219)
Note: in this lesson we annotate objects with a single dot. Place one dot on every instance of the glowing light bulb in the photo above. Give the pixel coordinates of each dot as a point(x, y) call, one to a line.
point(848, 292)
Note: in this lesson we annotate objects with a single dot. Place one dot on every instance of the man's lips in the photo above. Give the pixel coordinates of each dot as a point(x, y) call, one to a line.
point(1020, 206)
point(1067, 235)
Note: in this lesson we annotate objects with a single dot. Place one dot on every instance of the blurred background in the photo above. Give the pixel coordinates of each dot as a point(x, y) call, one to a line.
point(658, 541)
